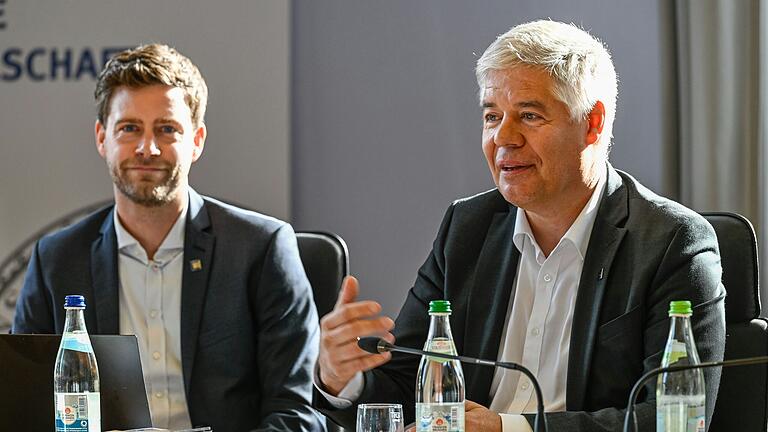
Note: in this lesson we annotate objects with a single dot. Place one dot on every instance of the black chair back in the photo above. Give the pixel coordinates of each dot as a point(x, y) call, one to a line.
point(742, 401)
point(326, 263)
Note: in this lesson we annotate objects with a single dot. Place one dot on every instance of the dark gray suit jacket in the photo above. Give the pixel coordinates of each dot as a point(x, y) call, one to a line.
point(644, 251)
point(249, 332)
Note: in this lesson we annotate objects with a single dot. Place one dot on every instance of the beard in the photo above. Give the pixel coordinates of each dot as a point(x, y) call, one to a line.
point(146, 190)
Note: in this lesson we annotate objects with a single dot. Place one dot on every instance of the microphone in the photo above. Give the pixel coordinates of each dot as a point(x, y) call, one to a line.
point(375, 345)
point(654, 372)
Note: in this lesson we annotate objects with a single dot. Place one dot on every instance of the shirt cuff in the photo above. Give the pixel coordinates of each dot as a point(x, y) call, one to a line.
point(347, 395)
point(514, 423)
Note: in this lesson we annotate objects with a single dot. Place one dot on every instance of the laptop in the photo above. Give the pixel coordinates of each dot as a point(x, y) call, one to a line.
point(26, 380)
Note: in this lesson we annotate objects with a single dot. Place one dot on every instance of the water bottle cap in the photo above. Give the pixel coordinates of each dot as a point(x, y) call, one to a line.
point(439, 306)
point(76, 301)
point(680, 307)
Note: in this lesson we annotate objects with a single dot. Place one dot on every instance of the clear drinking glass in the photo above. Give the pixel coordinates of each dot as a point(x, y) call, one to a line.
point(379, 418)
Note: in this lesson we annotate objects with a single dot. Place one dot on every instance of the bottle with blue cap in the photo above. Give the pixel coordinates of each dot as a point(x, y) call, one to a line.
point(77, 401)
point(440, 382)
point(680, 395)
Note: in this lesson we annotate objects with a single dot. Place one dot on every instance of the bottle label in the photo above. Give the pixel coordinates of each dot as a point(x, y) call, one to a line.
point(77, 412)
point(440, 417)
point(674, 351)
point(680, 414)
point(76, 341)
point(442, 346)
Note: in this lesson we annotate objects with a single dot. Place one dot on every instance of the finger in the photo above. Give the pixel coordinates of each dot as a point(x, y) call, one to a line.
point(469, 405)
point(349, 290)
point(345, 352)
point(348, 351)
point(389, 337)
point(344, 371)
point(363, 364)
point(352, 330)
point(350, 312)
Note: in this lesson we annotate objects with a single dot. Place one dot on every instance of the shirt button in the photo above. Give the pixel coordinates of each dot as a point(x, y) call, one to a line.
point(155, 266)
point(156, 355)
point(524, 386)
point(535, 331)
point(547, 278)
point(159, 395)
point(153, 313)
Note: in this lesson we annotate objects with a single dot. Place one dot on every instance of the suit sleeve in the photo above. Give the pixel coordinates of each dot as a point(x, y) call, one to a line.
point(690, 270)
point(395, 380)
point(288, 338)
point(34, 312)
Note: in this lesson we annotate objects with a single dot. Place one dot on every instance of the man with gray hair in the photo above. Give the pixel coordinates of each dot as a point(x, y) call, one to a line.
point(566, 267)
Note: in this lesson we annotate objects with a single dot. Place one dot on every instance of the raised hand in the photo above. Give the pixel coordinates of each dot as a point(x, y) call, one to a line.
point(340, 357)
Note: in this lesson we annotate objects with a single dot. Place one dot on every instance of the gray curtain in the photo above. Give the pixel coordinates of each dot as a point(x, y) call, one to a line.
point(720, 111)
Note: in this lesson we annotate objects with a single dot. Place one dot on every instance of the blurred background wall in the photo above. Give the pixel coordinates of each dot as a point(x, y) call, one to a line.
point(386, 121)
point(50, 54)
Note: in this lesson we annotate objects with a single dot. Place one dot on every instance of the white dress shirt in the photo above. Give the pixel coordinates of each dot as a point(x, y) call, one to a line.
point(150, 308)
point(538, 331)
point(539, 321)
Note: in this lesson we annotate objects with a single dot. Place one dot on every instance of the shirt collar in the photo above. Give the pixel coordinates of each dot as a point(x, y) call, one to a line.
point(581, 229)
point(522, 232)
point(579, 232)
point(173, 240)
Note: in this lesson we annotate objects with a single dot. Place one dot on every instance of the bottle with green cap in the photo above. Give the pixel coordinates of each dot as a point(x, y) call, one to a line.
point(440, 382)
point(680, 396)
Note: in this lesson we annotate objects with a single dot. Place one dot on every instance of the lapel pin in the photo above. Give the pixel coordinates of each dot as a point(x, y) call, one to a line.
point(195, 265)
point(600, 276)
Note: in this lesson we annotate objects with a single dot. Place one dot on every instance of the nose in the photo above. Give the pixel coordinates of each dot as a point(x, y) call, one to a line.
point(508, 134)
point(147, 147)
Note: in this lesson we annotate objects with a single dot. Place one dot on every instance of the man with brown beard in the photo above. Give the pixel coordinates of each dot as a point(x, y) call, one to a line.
point(216, 295)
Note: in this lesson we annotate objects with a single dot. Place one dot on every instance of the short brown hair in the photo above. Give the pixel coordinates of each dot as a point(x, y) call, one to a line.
point(148, 65)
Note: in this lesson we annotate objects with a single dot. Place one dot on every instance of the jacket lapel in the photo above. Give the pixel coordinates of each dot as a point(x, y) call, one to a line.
point(105, 278)
point(488, 302)
point(198, 253)
point(604, 242)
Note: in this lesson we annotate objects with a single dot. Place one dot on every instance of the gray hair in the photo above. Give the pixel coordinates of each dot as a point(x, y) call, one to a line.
point(579, 64)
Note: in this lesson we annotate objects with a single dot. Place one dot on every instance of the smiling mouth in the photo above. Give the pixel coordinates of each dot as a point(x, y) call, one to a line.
point(514, 168)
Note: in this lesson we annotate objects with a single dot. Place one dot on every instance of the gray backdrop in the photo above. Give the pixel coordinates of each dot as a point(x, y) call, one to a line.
point(386, 124)
point(382, 113)
point(49, 162)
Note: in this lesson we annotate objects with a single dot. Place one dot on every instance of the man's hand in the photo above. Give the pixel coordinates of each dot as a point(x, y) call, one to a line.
point(477, 418)
point(340, 358)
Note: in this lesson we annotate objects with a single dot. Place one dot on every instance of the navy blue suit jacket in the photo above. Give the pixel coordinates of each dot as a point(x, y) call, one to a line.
point(249, 332)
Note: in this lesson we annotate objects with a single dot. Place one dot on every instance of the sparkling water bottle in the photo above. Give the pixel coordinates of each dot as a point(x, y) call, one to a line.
point(440, 382)
point(680, 396)
point(77, 403)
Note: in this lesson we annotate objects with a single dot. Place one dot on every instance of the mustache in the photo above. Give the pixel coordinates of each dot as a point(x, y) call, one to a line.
point(145, 163)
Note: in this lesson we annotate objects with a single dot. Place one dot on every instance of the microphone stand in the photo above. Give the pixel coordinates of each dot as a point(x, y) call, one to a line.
point(654, 372)
point(383, 346)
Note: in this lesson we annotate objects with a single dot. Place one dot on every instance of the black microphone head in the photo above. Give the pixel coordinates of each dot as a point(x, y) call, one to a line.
point(373, 345)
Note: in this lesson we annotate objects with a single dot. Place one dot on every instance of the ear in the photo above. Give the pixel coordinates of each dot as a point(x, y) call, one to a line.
point(199, 142)
point(595, 123)
point(100, 133)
